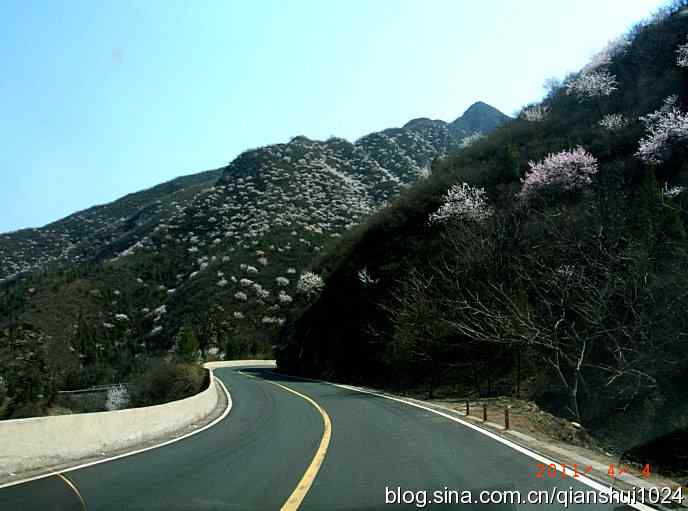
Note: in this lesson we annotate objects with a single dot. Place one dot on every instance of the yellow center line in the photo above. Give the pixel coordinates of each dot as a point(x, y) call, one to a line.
point(73, 487)
point(296, 498)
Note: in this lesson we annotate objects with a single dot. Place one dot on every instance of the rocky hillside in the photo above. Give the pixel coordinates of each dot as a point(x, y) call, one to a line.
point(92, 233)
point(218, 254)
point(380, 162)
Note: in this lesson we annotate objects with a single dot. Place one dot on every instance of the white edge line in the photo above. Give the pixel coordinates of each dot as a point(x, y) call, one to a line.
point(523, 450)
point(131, 453)
point(532, 454)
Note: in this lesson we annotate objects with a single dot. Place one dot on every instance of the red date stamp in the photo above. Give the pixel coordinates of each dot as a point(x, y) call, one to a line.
point(564, 471)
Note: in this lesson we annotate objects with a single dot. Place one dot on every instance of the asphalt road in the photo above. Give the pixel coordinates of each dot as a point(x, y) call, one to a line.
point(255, 458)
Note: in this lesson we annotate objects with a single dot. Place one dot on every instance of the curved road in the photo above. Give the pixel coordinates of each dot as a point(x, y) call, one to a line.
point(256, 457)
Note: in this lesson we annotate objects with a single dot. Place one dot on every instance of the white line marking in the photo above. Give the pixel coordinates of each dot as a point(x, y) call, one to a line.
point(532, 454)
point(138, 451)
point(523, 450)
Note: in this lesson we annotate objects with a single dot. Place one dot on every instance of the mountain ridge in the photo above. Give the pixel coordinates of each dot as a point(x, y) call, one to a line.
point(98, 232)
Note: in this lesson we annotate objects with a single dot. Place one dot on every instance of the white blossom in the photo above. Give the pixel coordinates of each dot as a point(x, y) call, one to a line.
point(591, 84)
point(462, 201)
point(470, 139)
point(664, 128)
point(238, 315)
point(682, 55)
point(365, 278)
point(282, 281)
point(117, 398)
point(241, 296)
point(310, 283)
point(535, 113)
point(613, 122)
point(673, 191)
point(284, 298)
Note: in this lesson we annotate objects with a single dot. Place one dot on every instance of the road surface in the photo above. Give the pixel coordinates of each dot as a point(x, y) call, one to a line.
point(274, 441)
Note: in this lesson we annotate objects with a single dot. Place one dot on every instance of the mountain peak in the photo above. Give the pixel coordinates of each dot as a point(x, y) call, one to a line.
point(478, 117)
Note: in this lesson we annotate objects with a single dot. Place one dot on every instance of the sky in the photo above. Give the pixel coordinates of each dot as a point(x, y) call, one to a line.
point(101, 99)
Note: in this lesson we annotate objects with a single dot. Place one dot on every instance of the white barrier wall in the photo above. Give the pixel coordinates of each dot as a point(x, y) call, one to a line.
point(34, 443)
point(240, 363)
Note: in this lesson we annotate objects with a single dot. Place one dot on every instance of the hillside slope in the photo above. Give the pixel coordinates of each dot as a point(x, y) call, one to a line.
point(548, 259)
point(215, 256)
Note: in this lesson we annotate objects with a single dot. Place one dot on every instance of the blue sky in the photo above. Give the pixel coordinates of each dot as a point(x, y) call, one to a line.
point(99, 99)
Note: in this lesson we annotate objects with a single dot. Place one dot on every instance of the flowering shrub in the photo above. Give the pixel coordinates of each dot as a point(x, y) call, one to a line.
point(365, 278)
point(665, 127)
point(284, 298)
point(613, 122)
point(567, 170)
point(682, 55)
point(117, 398)
point(310, 283)
point(591, 84)
point(423, 173)
point(470, 139)
point(462, 201)
point(673, 191)
point(535, 113)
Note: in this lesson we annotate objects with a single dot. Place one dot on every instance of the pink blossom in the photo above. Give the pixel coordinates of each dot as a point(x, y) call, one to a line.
point(566, 170)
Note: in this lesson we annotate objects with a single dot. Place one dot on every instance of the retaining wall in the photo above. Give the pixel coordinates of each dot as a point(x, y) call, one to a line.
point(38, 442)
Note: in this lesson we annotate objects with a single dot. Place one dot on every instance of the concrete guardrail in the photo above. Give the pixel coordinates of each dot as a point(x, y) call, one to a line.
point(40, 442)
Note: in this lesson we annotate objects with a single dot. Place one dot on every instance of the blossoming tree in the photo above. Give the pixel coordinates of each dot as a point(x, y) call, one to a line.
point(566, 170)
point(591, 84)
point(462, 201)
point(665, 127)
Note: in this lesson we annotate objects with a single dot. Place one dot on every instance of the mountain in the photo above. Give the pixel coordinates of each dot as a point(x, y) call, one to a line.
point(381, 162)
point(219, 253)
point(547, 262)
point(89, 234)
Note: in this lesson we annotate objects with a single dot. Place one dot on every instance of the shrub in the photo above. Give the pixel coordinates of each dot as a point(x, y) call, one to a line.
point(163, 381)
point(310, 283)
point(613, 122)
point(682, 55)
point(117, 398)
